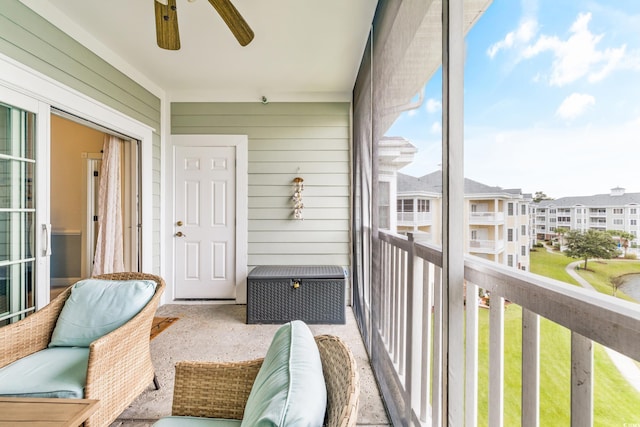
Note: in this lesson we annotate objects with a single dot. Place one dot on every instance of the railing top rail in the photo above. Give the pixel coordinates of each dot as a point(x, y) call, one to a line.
point(610, 321)
point(426, 251)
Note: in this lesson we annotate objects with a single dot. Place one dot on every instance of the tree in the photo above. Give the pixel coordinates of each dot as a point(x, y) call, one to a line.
point(540, 196)
point(624, 238)
point(590, 244)
point(561, 231)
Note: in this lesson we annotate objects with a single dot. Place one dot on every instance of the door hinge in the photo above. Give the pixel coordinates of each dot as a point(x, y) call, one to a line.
point(95, 218)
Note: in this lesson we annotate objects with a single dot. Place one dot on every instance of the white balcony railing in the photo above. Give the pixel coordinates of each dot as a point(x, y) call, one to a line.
point(408, 344)
point(486, 217)
point(415, 218)
point(486, 246)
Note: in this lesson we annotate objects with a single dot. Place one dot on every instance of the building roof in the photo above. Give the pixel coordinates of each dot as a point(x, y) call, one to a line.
point(612, 199)
point(432, 183)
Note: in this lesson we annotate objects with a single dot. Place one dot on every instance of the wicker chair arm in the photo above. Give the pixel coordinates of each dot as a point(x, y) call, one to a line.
point(342, 380)
point(212, 389)
point(121, 360)
point(32, 333)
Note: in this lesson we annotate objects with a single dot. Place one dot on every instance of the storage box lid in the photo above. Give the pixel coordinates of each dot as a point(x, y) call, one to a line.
point(297, 272)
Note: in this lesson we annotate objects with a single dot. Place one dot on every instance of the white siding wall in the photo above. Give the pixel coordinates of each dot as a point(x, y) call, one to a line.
point(309, 140)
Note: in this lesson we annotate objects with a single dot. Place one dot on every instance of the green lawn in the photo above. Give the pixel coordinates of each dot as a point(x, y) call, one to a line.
point(615, 401)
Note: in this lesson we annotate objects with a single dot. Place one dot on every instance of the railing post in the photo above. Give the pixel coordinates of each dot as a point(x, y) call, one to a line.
point(581, 381)
point(530, 369)
point(414, 331)
point(471, 361)
point(496, 361)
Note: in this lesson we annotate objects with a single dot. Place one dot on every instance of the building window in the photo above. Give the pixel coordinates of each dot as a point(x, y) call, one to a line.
point(618, 222)
point(634, 211)
point(523, 250)
point(618, 211)
point(510, 260)
point(633, 222)
point(523, 209)
point(510, 209)
point(510, 235)
point(423, 206)
point(405, 205)
point(523, 230)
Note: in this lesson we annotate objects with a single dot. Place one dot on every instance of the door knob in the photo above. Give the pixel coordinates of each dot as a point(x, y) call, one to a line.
point(179, 223)
point(179, 234)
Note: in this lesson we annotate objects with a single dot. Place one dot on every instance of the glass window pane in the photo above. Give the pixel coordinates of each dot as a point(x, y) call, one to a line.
point(16, 235)
point(16, 184)
point(17, 213)
point(17, 291)
point(17, 132)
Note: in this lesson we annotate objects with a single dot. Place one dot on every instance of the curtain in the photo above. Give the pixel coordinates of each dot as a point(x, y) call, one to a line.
point(108, 256)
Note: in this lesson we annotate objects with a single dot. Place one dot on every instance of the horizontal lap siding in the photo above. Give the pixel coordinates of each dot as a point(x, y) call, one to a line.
point(310, 140)
point(28, 38)
point(31, 40)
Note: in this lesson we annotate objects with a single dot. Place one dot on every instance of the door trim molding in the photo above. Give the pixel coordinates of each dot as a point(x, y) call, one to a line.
point(49, 92)
point(241, 144)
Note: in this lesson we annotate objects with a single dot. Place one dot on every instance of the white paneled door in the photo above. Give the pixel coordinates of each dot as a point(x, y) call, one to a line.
point(205, 222)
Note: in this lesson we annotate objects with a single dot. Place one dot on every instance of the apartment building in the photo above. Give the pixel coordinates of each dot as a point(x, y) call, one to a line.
point(614, 211)
point(497, 219)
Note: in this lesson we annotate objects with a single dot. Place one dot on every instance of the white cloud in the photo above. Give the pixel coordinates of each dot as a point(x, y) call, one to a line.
point(560, 161)
point(577, 56)
point(436, 128)
point(574, 105)
point(523, 34)
point(433, 105)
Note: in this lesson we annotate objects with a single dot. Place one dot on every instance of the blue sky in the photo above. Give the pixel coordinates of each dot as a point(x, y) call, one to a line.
point(552, 99)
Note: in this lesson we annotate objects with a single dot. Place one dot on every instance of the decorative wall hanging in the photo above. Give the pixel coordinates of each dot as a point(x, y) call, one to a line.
point(298, 186)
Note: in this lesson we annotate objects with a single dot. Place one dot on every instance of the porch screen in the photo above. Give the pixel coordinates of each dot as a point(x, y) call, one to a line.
point(403, 52)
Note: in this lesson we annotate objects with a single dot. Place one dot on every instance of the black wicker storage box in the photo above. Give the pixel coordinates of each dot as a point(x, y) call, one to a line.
point(281, 293)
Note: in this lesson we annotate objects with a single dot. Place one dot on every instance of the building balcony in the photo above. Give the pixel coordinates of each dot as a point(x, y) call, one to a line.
point(486, 246)
point(414, 219)
point(486, 218)
point(418, 370)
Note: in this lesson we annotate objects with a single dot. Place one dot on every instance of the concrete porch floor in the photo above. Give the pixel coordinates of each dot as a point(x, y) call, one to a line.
point(219, 333)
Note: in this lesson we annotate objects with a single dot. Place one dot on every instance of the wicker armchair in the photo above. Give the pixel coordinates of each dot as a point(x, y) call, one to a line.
point(120, 365)
point(221, 390)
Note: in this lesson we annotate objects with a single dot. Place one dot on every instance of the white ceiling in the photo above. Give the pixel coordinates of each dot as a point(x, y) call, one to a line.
point(302, 50)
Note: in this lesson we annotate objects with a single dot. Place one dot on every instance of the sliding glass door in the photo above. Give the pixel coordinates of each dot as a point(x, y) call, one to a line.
point(17, 213)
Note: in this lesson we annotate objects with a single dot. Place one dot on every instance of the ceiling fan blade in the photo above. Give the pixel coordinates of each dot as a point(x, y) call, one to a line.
point(235, 21)
point(167, 25)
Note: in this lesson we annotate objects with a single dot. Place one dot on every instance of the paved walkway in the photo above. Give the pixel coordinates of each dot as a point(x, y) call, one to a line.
point(625, 365)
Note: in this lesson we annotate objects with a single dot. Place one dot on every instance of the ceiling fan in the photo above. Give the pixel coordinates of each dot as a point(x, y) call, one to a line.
point(167, 23)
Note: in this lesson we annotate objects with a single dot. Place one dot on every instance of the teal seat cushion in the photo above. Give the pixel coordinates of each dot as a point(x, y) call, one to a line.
point(289, 389)
point(195, 422)
point(97, 307)
point(52, 372)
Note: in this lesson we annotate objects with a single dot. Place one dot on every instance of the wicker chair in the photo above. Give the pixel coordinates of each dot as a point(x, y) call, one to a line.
point(120, 365)
point(220, 390)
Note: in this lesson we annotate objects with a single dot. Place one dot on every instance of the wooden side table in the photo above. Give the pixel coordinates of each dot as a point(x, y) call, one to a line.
point(44, 412)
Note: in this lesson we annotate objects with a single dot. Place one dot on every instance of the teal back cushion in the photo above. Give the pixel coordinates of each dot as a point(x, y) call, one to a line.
point(52, 372)
point(97, 307)
point(289, 389)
